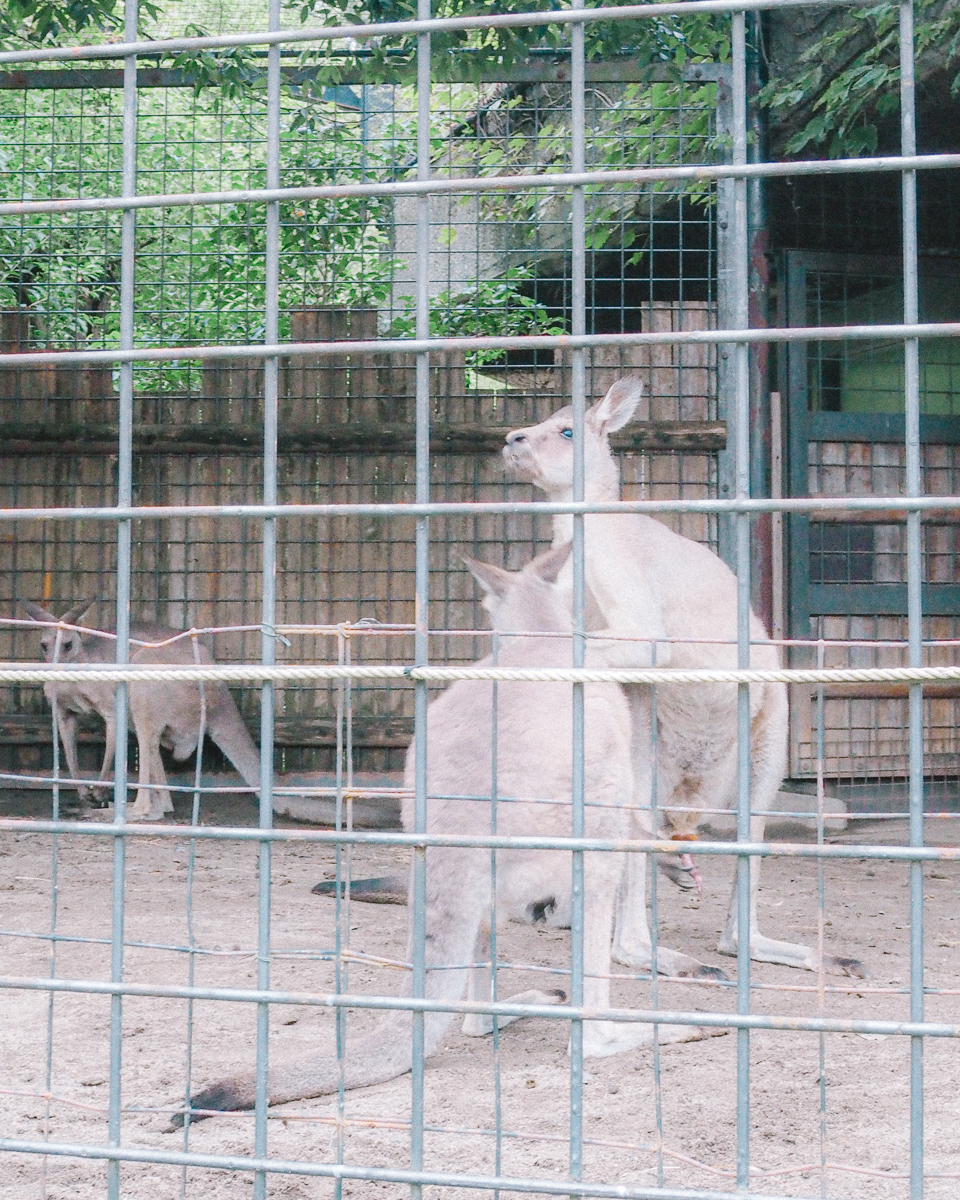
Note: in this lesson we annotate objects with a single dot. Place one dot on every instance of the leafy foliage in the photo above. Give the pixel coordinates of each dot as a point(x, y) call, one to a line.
point(467, 54)
point(494, 308)
point(200, 271)
point(850, 79)
point(48, 22)
point(639, 124)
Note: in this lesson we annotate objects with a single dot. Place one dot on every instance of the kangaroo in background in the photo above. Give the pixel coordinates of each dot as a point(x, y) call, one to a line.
point(647, 582)
point(534, 740)
point(161, 713)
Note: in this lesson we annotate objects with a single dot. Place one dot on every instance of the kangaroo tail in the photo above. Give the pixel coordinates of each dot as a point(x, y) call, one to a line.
point(387, 889)
point(379, 1056)
point(226, 728)
point(453, 921)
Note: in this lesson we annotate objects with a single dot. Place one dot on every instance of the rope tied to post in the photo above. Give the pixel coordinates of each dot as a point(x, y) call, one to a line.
point(257, 672)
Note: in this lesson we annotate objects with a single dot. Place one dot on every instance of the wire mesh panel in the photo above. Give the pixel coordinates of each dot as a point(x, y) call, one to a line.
point(499, 263)
point(263, 338)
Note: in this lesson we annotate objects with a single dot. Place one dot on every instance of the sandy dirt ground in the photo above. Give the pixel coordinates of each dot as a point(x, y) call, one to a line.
point(865, 1123)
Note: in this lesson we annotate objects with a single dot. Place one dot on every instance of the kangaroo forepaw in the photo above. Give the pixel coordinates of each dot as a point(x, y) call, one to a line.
point(704, 971)
point(676, 874)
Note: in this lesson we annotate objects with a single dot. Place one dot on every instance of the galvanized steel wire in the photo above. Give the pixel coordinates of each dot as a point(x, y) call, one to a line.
point(739, 337)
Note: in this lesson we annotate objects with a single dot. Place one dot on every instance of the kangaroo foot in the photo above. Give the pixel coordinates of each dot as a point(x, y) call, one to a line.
point(793, 954)
point(669, 962)
point(480, 1024)
point(99, 796)
point(601, 1039)
point(846, 966)
point(148, 806)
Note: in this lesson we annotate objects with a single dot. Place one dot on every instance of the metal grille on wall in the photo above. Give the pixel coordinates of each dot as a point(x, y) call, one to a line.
point(261, 357)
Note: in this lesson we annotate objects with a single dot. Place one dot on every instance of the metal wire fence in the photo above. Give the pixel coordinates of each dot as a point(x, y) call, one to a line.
point(346, 270)
point(229, 276)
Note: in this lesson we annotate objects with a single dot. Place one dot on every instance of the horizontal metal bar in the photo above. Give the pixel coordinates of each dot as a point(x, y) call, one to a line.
point(491, 183)
point(279, 1166)
point(904, 854)
point(388, 813)
point(712, 337)
point(554, 1012)
point(800, 504)
point(359, 32)
point(353, 437)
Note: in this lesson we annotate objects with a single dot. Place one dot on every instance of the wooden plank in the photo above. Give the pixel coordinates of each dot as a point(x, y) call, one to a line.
point(889, 691)
point(354, 437)
point(881, 599)
point(879, 427)
point(451, 68)
point(22, 729)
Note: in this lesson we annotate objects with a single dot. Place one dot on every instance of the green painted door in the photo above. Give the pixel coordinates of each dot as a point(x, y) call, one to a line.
point(845, 437)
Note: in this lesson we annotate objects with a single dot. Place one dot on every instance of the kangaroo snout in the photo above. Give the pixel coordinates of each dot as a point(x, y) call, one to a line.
point(518, 456)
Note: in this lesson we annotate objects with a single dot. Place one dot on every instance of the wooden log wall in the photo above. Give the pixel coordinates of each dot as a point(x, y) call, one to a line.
point(346, 434)
point(866, 725)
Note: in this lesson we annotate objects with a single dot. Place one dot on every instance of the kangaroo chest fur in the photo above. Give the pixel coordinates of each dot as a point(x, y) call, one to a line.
point(534, 774)
point(642, 579)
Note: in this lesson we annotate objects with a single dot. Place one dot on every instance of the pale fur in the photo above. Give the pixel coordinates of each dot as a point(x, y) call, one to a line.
point(162, 713)
point(646, 582)
point(534, 739)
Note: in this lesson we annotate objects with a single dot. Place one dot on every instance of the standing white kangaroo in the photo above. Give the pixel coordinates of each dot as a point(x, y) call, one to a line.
point(534, 781)
point(161, 713)
point(647, 582)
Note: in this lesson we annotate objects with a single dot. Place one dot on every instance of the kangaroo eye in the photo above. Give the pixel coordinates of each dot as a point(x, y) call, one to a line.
point(567, 433)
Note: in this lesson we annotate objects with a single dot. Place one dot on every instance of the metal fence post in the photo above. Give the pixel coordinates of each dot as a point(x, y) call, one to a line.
point(422, 587)
point(914, 487)
point(124, 564)
point(740, 299)
point(578, 302)
point(268, 617)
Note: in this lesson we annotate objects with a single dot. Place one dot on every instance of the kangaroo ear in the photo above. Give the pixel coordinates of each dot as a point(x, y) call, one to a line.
point(495, 581)
point(617, 407)
point(38, 613)
point(73, 615)
point(549, 564)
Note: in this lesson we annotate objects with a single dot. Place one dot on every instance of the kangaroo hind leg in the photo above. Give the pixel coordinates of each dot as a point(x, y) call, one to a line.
point(153, 794)
point(768, 764)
